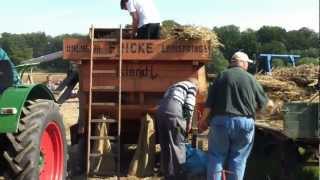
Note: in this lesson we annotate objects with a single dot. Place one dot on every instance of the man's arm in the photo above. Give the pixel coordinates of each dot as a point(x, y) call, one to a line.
point(270, 106)
point(135, 21)
point(263, 102)
point(203, 124)
point(131, 7)
point(189, 106)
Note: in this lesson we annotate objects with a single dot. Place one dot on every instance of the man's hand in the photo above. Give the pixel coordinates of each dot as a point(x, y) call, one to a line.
point(189, 127)
point(81, 130)
point(203, 125)
point(135, 22)
point(270, 106)
point(133, 34)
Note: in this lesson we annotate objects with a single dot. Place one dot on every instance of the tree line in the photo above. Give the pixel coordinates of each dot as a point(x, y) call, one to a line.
point(267, 39)
point(21, 47)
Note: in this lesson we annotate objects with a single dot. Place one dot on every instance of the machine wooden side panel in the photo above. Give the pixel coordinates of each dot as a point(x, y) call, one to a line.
point(140, 77)
point(143, 85)
point(163, 50)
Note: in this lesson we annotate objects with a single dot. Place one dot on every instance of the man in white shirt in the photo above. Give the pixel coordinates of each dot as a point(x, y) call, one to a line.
point(145, 18)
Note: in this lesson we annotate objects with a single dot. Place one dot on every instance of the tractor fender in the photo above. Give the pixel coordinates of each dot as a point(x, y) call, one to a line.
point(15, 97)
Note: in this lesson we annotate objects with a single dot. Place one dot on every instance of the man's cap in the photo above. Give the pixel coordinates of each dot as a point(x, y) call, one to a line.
point(241, 56)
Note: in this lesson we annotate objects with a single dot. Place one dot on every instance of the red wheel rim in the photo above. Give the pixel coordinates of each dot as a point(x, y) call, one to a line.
point(52, 153)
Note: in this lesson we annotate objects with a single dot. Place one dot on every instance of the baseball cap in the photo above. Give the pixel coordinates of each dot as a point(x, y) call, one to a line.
point(241, 56)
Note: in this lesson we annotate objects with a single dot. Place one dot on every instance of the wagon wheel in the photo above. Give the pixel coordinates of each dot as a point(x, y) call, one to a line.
point(38, 150)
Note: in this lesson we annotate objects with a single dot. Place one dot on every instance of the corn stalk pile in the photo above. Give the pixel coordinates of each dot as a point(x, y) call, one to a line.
point(287, 85)
point(291, 84)
point(192, 33)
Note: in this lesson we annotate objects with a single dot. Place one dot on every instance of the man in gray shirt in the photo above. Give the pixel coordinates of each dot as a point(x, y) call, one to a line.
point(173, 117)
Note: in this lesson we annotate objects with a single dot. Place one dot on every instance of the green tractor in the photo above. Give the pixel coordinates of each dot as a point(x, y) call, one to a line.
point(32, 136)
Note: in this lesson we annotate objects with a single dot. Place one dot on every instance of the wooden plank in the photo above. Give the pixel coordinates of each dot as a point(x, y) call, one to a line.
point(104, 121)
point(144, 77)
point(131, 98)
point(135, 107)
point(103, 104)
point(164, 50)
point(104, 154)
point(112, 138)
point(104, 71)
point(119, 103)
point(103, 56)
point(106, 40)
point(90, 101)
point(128, 112)
point(103, 88)
point(141, 98)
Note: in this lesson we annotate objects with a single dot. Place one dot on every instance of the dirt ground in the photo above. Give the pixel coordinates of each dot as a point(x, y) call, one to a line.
point(29, 77)
point(70, 113)
point(70, 110)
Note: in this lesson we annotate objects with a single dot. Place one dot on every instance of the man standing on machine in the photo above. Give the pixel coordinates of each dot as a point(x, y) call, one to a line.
point(145, 18)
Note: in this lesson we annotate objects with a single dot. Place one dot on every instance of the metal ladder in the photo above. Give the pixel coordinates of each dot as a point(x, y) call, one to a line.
point(91, 103)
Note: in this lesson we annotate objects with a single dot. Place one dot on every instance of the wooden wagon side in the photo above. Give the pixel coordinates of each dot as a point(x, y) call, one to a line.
point(149, 68)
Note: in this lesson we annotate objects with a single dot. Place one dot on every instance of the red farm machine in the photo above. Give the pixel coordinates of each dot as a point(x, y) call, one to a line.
point(123, 79)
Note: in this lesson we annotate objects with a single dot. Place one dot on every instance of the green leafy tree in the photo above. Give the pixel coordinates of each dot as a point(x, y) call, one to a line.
point(268, 39)
point(218, 62)
point(55, 44)
point(21, 47)
point(311, 52)
point(230, 37)
point(278, 63)
point(274, 47)
point(303, 38)
point(170, 23)
point(308, 60)
point(38, 42)
point(248, 42)
point(16, 47)
point(267, 34)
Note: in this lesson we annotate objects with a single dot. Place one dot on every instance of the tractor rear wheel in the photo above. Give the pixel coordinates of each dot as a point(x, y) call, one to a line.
point(38, 150)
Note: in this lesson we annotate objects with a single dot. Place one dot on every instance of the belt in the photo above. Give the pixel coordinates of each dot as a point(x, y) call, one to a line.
point(233, 115)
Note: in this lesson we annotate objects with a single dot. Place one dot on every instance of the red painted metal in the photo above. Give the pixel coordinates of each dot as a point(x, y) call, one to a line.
point(52, 150)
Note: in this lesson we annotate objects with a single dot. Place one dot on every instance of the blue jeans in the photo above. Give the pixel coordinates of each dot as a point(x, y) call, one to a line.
point(230, 142)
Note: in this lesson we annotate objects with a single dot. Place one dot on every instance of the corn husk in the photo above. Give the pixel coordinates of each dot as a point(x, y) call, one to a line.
point(291, 83)
point(192, 33)
point(287, 85)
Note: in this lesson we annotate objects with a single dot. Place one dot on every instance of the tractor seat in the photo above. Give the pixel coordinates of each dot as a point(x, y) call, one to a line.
point(6, 75)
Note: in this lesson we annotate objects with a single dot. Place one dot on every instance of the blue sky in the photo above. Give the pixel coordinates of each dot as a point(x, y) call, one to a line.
point(56, 17)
